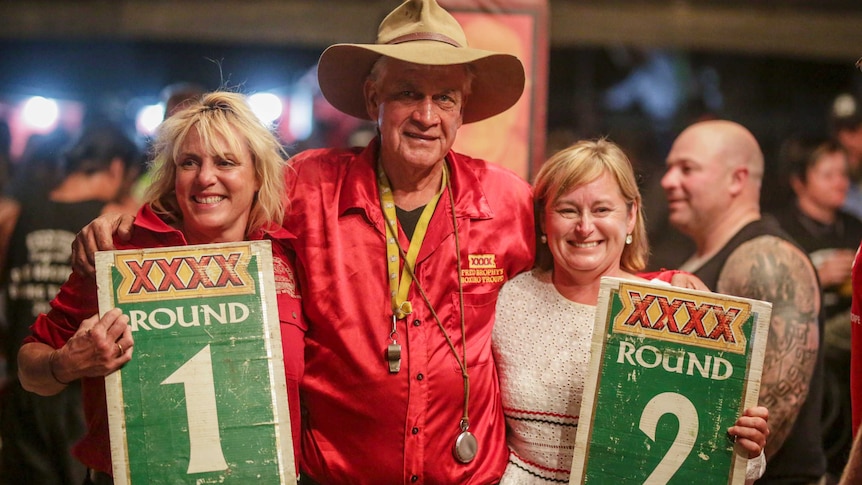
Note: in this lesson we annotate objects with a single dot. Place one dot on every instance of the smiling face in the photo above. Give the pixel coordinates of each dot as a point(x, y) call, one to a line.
point(418, 111)
point(215, 187)
point(586, 230)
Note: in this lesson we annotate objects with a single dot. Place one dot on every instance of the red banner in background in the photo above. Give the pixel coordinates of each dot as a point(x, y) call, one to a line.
point(515, 138)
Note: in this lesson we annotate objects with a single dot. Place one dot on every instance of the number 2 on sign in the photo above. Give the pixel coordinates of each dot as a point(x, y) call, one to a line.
point(196, 376)
point(683, 443)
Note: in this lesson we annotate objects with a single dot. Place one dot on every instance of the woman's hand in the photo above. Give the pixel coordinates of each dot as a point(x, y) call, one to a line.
point(99, 347)
point(751, 430)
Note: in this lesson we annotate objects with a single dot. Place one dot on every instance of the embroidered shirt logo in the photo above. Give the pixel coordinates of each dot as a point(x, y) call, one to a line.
point(285, 281)
point(482, 268)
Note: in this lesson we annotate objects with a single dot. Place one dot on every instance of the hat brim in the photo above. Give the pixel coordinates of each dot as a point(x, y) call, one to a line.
point(497, 85)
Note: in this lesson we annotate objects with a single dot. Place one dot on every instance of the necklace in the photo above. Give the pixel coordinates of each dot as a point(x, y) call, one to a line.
point(466, 446)
point(399, 288)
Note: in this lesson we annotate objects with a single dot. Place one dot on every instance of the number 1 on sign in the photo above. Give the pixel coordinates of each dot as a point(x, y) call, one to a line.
point(196, 376)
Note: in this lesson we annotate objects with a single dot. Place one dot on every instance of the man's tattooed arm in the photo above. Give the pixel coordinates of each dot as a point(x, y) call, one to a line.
point(771, 269)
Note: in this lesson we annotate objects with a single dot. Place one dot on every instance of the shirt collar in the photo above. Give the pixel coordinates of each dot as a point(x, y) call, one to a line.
point(150, 221)
point(359, 189)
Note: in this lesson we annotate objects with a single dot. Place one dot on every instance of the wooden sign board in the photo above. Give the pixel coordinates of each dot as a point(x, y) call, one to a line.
point(204, 399)
point(670, 370)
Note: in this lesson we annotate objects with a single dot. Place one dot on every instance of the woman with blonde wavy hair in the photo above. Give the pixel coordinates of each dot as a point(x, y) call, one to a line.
point(220, 115)
point(217, 177)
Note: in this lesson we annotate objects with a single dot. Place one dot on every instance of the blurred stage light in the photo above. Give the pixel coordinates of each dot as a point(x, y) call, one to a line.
point(148, 118)
point(266, 106)
point(40, 113)
point(301, 119)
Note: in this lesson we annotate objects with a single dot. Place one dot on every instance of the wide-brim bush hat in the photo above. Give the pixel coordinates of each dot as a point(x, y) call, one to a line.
point(421, 32)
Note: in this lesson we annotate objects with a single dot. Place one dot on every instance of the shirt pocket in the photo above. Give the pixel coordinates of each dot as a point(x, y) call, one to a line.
point(479, 309)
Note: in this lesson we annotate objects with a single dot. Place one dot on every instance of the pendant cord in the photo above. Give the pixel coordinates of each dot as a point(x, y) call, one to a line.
point(462, 361)
point(465, 421)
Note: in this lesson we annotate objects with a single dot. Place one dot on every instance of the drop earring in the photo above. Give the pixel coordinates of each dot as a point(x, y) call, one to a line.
point(544, 239)
point(628, 238)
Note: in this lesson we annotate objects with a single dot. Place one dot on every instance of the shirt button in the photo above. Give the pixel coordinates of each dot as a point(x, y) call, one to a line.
point(419, 377)
point(415, 430)
point(414, 478)
point(417, 322)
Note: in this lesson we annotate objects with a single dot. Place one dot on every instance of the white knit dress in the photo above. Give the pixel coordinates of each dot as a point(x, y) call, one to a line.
point(541, 344)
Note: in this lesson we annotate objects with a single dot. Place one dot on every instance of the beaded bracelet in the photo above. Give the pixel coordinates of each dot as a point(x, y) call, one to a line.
point(51, 360)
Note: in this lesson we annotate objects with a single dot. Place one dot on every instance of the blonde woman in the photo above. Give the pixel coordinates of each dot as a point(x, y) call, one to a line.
point(217, 177)
point(590, 225)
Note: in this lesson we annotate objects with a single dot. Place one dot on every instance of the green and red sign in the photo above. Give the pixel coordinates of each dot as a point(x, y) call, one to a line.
point(203, 400)
point(671, 370)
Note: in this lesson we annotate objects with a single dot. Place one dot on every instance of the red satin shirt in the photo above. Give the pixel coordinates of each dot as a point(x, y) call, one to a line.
point(361, 423)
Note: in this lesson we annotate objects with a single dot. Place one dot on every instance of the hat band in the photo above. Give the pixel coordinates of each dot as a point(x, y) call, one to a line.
point(425, 36)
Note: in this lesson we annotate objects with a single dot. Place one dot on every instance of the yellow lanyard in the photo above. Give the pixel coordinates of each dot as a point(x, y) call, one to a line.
point(466, 445)
point(400, 287)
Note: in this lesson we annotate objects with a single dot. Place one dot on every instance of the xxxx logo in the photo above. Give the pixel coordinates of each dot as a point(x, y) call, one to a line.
point(185, 273)
point(482, 269)
point(483, 261)
point(682, 317)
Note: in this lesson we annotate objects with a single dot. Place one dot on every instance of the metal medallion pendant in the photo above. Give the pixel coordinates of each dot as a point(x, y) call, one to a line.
point(466, 447)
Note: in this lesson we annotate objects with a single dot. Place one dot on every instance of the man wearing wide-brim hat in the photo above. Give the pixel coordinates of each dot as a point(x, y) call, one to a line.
point(400, 384)
point(402, 249)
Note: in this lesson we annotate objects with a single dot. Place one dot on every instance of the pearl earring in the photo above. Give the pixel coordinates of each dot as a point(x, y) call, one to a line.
point(544, 239)
point(628, 238)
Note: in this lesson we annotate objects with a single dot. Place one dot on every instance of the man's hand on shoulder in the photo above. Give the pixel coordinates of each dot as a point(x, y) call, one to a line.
point(98, 235)
point(771, 269)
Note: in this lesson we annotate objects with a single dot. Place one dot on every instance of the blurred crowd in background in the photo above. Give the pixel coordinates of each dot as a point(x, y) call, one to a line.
point(806, 115)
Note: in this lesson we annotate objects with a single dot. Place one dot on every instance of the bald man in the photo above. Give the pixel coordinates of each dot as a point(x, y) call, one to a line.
point(712, 184)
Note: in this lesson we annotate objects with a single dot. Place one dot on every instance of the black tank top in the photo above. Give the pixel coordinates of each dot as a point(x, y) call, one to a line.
point(801, 459)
